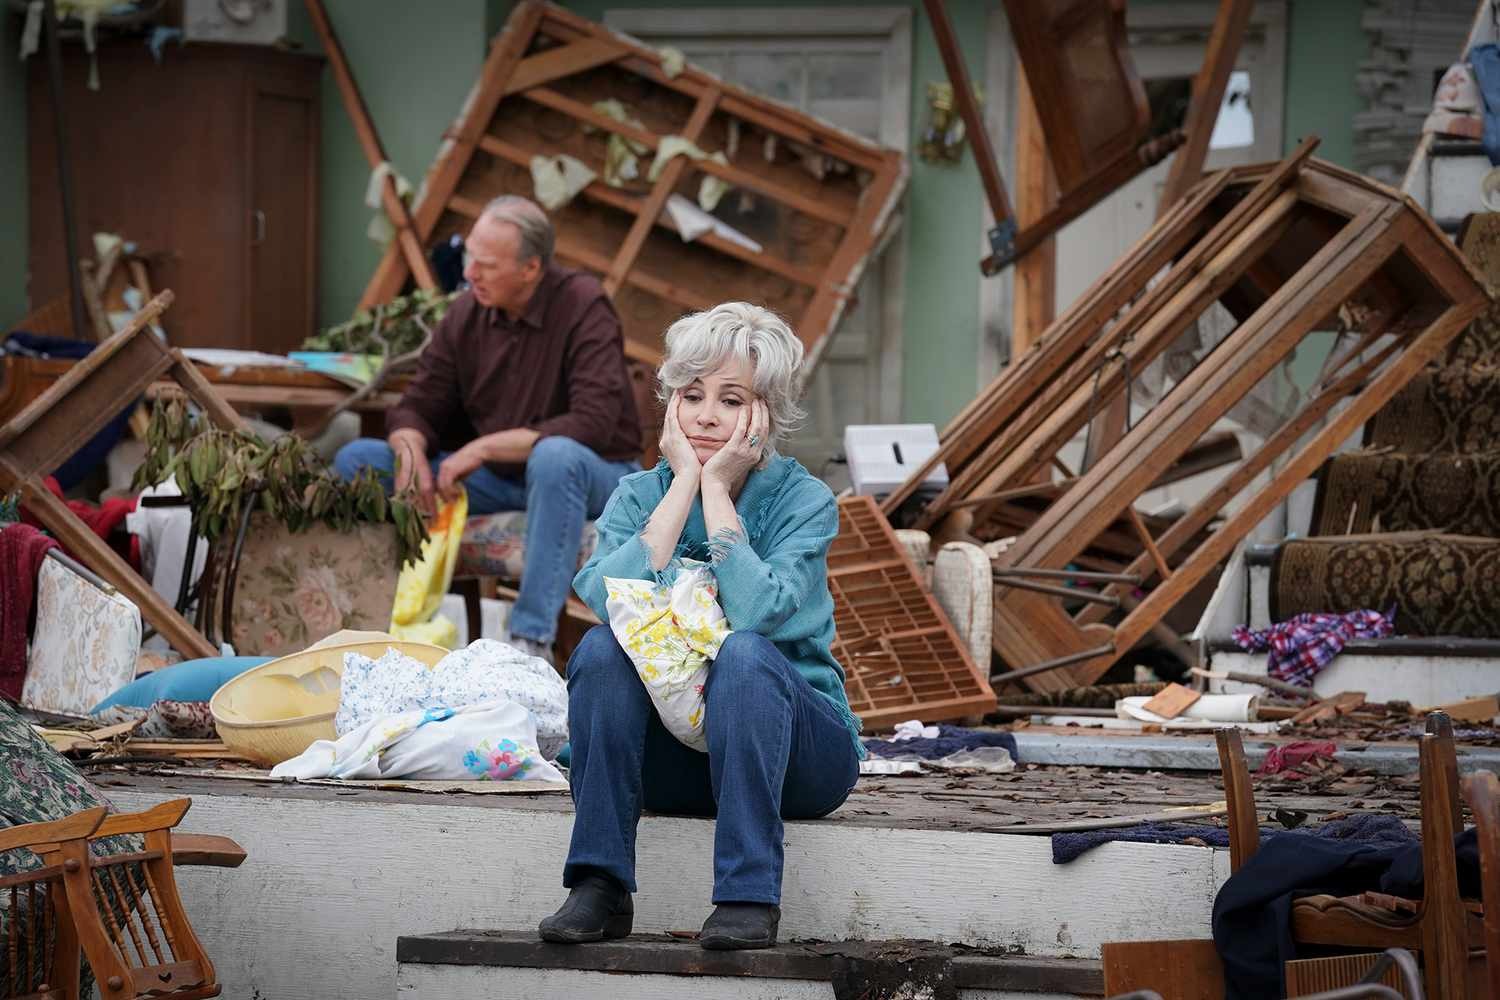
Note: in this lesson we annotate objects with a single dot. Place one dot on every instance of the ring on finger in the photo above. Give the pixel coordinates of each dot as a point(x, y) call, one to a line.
point(754, 440)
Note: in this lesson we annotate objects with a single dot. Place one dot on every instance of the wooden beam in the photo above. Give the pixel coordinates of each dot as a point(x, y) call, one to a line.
point(968, 110)
point(665, 184)
point(457, 149)
point(631, 204)
point(1208, 94)
point(369, 142)
point(546, 97)
point(1034, 299)
point(565, 60)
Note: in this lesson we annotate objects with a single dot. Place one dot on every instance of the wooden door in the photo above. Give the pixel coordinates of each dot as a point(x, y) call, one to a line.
point(280, 225)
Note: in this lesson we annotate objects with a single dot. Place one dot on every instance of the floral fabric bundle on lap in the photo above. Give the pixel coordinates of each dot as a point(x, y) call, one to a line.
point(671, 634)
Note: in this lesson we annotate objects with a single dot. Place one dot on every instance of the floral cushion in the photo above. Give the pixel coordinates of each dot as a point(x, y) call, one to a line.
point(293, 590)
point(495, 545)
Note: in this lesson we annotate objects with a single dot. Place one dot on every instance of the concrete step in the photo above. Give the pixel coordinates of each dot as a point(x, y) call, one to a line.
point(495, 965)
point(334, 877)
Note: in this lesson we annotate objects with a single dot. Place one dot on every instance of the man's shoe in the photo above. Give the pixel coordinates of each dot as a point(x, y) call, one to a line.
point(736, 926)
point(598, 908)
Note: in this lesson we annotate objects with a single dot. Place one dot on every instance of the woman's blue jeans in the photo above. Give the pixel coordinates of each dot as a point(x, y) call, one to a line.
point(776, 748)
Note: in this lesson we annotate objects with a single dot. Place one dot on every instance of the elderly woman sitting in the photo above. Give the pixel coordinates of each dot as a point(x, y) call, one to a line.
point(781, 739)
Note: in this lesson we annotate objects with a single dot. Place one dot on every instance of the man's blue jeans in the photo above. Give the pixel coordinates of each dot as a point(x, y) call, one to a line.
point(776, 748)
point(566, 484)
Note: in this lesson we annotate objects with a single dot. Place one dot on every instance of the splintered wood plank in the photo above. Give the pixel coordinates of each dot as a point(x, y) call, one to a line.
point(1175, 970)
point(1172, 701)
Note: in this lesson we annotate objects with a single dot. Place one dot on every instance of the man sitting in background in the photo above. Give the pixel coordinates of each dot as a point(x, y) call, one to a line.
point(530, 362)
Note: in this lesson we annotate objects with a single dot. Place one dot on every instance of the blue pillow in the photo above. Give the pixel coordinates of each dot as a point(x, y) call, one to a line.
point(193, 680)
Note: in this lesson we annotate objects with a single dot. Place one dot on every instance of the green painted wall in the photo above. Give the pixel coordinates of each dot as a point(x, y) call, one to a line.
point(12, 173)
point(1325, 45)
point(940, 232)
point(414, 67)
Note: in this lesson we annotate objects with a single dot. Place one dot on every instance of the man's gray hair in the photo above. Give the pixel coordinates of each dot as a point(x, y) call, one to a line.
point(537, 238)
point(698, 344)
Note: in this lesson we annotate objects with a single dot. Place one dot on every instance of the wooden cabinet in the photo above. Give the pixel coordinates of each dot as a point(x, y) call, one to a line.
point(208, 161)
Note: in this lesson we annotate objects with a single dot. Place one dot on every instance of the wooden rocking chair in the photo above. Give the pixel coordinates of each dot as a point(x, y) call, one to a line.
point(125, 909)
point(1441, 925)
point(1482, 790)
point(37, 909)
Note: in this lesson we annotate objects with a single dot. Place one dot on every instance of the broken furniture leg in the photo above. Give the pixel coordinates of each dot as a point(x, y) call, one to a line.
point(1095, 121)
point(410, 246)
point(70, 412)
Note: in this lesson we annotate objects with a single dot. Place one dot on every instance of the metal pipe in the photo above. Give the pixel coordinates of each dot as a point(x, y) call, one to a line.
point(1046, 665)
point(64, 172)
point(1067, 574)
point(1067, 592)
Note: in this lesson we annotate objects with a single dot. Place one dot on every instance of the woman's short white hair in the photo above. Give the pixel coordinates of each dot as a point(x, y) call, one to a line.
point(700, 343)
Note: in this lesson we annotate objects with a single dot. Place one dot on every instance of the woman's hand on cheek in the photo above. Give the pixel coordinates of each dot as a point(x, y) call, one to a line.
point(732, 463)
point(675, 447)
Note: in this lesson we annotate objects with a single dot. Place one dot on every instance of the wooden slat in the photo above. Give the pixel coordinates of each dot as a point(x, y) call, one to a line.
point(455, 153)
point(1061, 409)
point(651, 208)
point(1213, 386)
point(95, 553)
point(1077, 329)
point(598, 263)
point(734, 175)
point(369, 141)
point(565, 60)
point(738, 102)
point(1207, 96)
point(605, 195)
point(1359, 409)
point(978, 421)
point(1034, 298)
point(1208, 508)
point(829, 300)
point(968, 110)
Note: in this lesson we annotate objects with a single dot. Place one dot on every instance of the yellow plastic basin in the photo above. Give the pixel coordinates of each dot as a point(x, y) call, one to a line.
point(275, 711)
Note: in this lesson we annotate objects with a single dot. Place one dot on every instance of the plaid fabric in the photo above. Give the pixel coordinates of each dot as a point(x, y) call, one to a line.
point(1304, 645)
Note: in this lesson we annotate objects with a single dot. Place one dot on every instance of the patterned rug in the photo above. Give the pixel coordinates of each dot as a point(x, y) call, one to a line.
point(1366, 491)
point(1438, 584)
point(1453, 409)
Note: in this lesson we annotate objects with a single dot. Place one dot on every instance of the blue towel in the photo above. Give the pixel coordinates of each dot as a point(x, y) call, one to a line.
point(950, 739)
point(1367, 828)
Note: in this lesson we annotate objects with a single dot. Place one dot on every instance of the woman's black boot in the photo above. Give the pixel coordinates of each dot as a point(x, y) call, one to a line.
point(735, 926)
point(597, 908)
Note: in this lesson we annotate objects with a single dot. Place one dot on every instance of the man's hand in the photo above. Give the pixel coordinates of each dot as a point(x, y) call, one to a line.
point(457, 467)
point(412, 468)
point(731, 464)
point(675, 447)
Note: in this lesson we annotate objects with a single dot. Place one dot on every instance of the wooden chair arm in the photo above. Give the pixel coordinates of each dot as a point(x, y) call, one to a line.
point(204, 849)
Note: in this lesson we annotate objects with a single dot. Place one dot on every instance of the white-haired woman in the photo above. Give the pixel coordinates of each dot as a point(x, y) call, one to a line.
point(781, 739)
